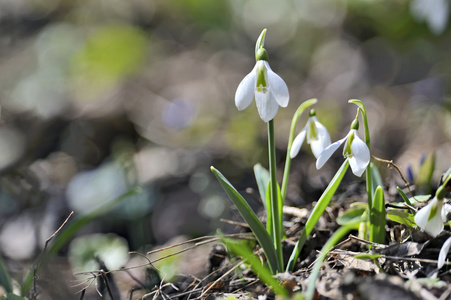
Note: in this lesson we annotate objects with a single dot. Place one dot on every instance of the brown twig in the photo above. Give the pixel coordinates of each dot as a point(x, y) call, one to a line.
point(33, 291)
point(391, 164)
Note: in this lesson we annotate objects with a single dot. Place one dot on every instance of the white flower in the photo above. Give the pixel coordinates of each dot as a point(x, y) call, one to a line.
point(429, 218)
point(268, 89)
point(443, 253)
point(317, 136)
point(355, 150)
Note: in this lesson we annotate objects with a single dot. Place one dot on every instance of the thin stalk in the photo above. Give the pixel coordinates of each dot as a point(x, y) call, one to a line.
point(276, 221)
point(294, 122)
point(369, 188)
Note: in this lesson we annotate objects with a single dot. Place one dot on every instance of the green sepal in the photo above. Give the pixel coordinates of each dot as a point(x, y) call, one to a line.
point(260, 42)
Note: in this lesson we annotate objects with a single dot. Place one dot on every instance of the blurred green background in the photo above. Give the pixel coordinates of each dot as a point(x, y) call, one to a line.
point(99, 96)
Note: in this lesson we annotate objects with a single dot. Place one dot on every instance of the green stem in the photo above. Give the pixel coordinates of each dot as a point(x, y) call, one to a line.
point(369, 188)
point(294, 122)
point(276, 220)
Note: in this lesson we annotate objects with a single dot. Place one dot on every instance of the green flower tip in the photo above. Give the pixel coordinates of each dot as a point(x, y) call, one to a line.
point(261, 54)
point(260, 41)
point(312, 112)
point(355, 124)
point(440, 194)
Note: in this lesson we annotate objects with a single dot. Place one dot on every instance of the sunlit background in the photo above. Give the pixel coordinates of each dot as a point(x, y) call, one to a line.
point(100, 96)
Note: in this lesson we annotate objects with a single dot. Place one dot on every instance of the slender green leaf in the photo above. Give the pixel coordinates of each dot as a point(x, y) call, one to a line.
point(376, 179)
point(424, 178)
point(5, 279)
point(419, 199)
point(276, 203)
point(323, 202)
point(251, 219)
point(367, 256)
point(262, 178)
point(269, 218)
point(333, 240)
point(11, 296)
point(402, 217)
point(240, 249)
point(350, 215)
point(377, 217)
point(294, 122)
point(404, 196)
point(63, 237)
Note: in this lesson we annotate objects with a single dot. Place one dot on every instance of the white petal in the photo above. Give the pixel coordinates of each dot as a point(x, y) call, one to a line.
point(443, 253)
point(360, 155)
point(327, 153)
point(432, 226)
point(446, 209)
point(297, 143)
point(245, 91)
point(323, 140)
point(266, 105)
point(278, 87)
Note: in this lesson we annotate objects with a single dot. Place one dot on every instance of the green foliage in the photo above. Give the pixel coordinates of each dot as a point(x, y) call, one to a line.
point(404, 196)
point(251, 219)
point(424, 179)
point(262, 178)
point(351, 215)
point(294, 122)
point(5, 279)
point(333, 240)
point(402, 217)
point(323, 202)
point(377, 217)
point(11, 296)
point(240, 249)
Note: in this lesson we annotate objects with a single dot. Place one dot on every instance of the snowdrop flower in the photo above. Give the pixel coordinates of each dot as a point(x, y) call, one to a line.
point(268, 89)
point(355, 151)
point(317, 136)
point(429, 218)
point(443, 253)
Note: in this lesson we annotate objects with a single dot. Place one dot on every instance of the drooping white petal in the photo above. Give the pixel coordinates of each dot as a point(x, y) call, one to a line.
point(245, 92)
point(278, 87)
point(323, 139)
point(297, 143)
point(266, 105)
point(360, 155)
point(327, 153)
point(443, 253)
point(432, 225)
point(446, 209)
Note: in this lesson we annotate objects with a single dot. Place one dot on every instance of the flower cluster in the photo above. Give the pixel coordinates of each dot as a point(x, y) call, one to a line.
point(270, 91)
